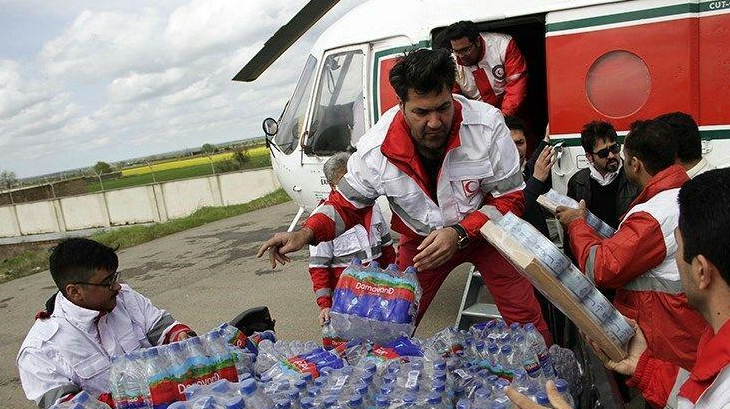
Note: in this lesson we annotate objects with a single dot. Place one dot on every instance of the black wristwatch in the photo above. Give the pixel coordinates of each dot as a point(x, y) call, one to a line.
point(463, 236)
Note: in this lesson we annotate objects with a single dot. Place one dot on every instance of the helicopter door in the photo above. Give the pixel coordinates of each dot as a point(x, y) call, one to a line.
point(339, 108)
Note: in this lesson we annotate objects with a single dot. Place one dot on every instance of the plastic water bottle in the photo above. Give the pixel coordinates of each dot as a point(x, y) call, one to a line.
point(535, 339)
point(134, 391)
point(562, 386)
point(499, 395)
point(530, 361)
point(253, 396)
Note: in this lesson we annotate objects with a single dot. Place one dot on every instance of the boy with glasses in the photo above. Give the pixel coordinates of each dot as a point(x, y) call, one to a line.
point(90, 319)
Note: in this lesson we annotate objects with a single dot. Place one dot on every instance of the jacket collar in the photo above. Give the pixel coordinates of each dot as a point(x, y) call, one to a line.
point(482, 50)
point(713, 354)
point(670, 178)
point(398, 147)
point(80, 317)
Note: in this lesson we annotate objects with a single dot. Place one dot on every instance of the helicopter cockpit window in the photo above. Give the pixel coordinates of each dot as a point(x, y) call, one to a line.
point(338, 120)
point(291, 125)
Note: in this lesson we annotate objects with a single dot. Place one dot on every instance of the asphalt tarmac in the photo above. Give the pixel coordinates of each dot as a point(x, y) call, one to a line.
point(204, 276)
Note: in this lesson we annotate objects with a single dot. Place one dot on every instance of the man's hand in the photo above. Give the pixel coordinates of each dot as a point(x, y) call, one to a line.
point(544, 163)
point(284, 243)
point(436, 248)
point(523, 402)
point(637, 346)
point(567, 215)
point(324, 316)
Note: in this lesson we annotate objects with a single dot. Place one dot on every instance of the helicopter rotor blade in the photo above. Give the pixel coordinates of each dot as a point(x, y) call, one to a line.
point(284, 38)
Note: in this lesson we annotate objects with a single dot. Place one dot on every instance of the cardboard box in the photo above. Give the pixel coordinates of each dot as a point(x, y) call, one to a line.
point(548, 284)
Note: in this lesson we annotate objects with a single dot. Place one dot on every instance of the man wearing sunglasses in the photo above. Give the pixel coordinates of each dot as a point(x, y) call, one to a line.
point(489, 66)
point(90, 319)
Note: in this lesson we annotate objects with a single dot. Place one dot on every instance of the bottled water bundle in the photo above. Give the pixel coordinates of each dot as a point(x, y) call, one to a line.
point(373, 303)
point(452, 369)
point(311, 362)
point(552, 199)
point(560, 281)
point(155, 377)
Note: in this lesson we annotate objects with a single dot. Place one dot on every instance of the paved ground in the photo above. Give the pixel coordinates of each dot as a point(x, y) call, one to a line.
point(203, 276)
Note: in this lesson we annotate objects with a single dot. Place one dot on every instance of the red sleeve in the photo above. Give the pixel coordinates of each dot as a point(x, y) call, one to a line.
point(511, 202)
point(655, 379)
point(106, 398)
point(456, 89)
point(335, 214)
point(321, 279)
point(516, 73)
point(635, 248)
point(174, 333)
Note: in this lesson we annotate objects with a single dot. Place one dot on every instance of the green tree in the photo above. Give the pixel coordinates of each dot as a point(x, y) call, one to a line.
point(7, 179)
point(208, 148)
point(102, 167)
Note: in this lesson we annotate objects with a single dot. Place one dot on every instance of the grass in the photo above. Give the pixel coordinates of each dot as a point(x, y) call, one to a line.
point(258, 161)
point(34, 261)
point(256, 152)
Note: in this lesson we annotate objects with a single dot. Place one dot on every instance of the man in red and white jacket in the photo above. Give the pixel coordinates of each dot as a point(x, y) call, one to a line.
point(90, 319)
point(328, 259)
point(489, 68)
point(443, 162)
point(638, 261)
point(703, 259)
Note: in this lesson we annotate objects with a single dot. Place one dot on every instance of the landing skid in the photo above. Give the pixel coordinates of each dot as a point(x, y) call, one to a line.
point(296, 219)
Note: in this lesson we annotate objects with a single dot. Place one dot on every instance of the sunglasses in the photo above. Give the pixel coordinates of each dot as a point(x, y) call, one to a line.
point(107, 282)
point(603, 153)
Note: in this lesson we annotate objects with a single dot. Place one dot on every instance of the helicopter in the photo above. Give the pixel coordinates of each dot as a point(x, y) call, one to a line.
point(617, 61)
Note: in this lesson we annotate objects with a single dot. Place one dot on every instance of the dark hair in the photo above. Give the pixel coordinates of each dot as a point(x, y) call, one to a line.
point(653, 142)
point(459, 30)
point(514, 123)
point(593, 131)
point(687, 134)
point(76, 260)
point(424, 71)
point(704, 219)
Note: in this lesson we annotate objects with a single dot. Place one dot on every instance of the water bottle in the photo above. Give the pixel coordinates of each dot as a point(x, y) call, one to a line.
point(562, 386)
point(509, 358)
point(207, 402)
point(307, 402)
point(537, 342)
point(515, 328)
point(520, 381)
point(254, 396)
point(463, 404)
point(134, 392)
point(182, 405)
point(530, 361)
point(381, 401)
point(283, 404)
point(499, 395)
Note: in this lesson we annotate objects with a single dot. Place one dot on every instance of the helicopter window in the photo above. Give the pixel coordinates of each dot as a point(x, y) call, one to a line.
point(292, 120)
point(338, 120)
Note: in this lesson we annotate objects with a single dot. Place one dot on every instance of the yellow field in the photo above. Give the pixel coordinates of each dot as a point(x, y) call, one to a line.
point(184, 163)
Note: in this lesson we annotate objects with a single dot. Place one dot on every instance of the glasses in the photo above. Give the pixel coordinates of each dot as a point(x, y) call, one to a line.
point(107, 282)
point(603, 153)
point(464, 51)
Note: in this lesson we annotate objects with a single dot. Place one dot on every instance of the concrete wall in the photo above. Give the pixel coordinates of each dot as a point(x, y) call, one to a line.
point(144, 204)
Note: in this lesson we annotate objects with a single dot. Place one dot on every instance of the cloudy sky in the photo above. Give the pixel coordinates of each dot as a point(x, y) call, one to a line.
point(83, 81)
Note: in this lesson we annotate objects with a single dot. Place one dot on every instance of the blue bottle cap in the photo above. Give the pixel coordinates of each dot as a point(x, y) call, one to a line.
point(235, 403)
point(561, 385)
point(247, 387)
point(434, 399)
point(81, 397)
point(542, 398)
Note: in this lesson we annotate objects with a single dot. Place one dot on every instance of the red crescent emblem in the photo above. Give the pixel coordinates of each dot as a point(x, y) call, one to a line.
point(471, 187)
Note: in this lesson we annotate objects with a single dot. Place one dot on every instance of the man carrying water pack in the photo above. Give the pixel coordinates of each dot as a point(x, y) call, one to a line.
point(328, 259)
point(90, 319)
point(444, 163)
